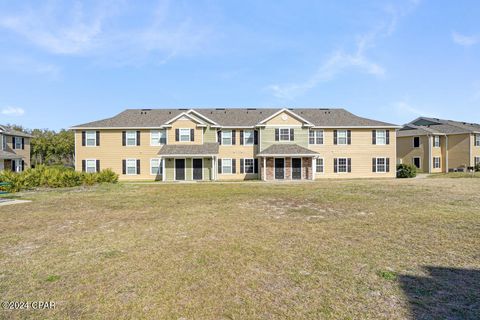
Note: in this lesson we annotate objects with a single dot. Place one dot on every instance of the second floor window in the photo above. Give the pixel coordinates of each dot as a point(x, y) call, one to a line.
point(381, 137)
point(477, 140)
point(184, 135)
point(436, 141)
point(4, 142)
point(342, 138)
point(315, 137)
point(131, 138)
point(248, 137)
point(158, 137)
point(416, 142)
point(284, 134)
point(91, 138)
point(227, 137)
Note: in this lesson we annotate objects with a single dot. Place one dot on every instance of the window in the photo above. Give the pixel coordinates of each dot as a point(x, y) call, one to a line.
point(477, 160)
point(131, 138)
point(226, 165)
point(18, 142)
point(91, 138)
point(381, 137)
point(381, 165)
point(4, 142)
point(319, 165)
point(158, 137)
point(342, 165)
point(17, 165)
point(315, 137)
point(416, 142)
point(184, 135)
point(227, 137)
point(248, 166)
point(156, 167)
point(248, 137)
point(131, 166)
point(342, 137)
point(284, 134)
point(91, 166)
point(436, 162)
point(436, 141)
point(477, 140)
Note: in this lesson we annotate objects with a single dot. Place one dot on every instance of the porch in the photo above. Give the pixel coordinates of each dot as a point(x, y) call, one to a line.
point(11, 161)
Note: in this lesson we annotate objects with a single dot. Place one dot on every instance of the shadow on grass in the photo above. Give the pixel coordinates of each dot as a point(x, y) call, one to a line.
point(447, 293)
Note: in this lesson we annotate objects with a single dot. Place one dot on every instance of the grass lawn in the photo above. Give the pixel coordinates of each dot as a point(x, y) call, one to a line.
point(365, 249)
point(455, 175)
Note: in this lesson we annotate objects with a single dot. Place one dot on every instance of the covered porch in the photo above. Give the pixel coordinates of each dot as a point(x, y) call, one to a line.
point(287, 162)
point(11, 161)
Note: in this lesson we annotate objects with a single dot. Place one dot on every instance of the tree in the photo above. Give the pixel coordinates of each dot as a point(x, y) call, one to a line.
point(50, 147)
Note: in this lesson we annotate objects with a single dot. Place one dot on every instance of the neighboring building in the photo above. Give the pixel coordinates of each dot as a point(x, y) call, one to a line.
point(436, 145)
point(14, 149)
point(237, 144)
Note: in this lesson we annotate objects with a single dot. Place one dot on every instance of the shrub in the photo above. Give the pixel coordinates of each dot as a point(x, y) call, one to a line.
point(477, 167)
point(54, 177)
point(406, 171)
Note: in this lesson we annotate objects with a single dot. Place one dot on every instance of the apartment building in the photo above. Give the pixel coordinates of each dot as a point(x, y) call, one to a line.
point(14, 149)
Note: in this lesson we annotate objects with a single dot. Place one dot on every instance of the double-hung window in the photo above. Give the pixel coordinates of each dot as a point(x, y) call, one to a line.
point(155, 166)
point(158, 137)
point(381, 137)
point(319, 165)
point(342, 137)
point(436, 141)
point(342, 164)
point(477, 140)
point(18, 142)
point(477, 160)
point(226, 137)
point(248, 166)
point(248, 137)
point(4, 142)
point(436, 162)
point(315, 137)
point(91, 165)
point(131, 138)
point(131, 166)
point(184, 135)
point(381, 165)
point(226, 165)
point(284, 134)
point(91, 138)
point(416, 142)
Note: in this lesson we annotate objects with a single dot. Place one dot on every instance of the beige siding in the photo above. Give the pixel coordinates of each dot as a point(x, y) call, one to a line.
point(458, 150)
point(237, 152)
point(267, 136)
point(283, 119)
point(185, 124)
point(406, 152)
point(438, 152)
point(475, 150)
point(24, 153)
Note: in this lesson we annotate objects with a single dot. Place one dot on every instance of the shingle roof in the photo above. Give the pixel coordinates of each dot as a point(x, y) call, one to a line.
point(9, 155)
point(437, 126)
point(11, 132)
point(241, 117)
point(286, 150)
point(205, 149)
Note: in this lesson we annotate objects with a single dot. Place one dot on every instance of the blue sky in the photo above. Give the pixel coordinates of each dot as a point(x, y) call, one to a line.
point(68, 62)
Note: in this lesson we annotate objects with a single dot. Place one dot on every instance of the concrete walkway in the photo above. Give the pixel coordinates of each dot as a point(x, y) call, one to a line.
point(7, 202)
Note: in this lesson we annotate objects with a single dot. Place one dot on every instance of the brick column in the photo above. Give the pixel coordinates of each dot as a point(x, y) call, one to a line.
point(288, 168)
point(270, 169)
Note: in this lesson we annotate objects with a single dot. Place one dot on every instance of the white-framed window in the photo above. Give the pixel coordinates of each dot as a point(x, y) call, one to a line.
point(248, 166)
point(158, 137)
point(436, 141)
point(91, 165)
point(342, 165)
point(156, 167)
point(315, 137)
point(18, 142)
point(4, 142)
point(381, 137)
point(477, 160)
point(184, 135)
point(227, 137)
point(477, 140)
point(342, 138)
point(284, 134)
point(319, 166)
point(91, 138)
point(131, 138)
point(436, 162)
point(131, 166)
point(248, 137)
point(17, 165)
point(226, 165)
point(381, 164)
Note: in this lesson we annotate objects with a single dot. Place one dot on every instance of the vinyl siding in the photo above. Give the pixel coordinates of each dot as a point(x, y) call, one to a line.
point(458, 150)
point(25, 153)
point(237, 152)
point(185, 124)
point(406, 152)
point(267, 137)
point(475, 150)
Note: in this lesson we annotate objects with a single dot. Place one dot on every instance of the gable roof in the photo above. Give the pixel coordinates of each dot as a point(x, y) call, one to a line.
point(234, 117)
point(11, 132)
point(206, 149)
point(286, 149)
point(435, 126)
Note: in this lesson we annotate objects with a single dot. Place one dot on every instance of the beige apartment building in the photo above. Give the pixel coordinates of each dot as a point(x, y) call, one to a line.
point(237, 144)
point(436, 145)
point(14, 149)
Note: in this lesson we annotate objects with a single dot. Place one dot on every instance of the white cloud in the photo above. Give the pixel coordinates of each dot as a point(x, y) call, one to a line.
point(464, 40)
point(12, 111)
point(340, 60)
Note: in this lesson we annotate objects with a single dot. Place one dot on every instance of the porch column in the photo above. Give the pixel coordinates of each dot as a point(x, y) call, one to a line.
point(212, 175)
point(163, 169)
point(313, 171)
point(264, 168)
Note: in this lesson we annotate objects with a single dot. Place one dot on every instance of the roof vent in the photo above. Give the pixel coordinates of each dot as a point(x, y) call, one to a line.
point(183, 109)
point(251, 108)
point(221, 109)
point(146, 109)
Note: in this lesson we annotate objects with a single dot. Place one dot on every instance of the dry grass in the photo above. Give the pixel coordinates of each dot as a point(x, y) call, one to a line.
point(332, 249)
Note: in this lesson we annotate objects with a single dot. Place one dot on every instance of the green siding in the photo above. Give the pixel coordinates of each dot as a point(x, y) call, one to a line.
point(169, 169)
point(207, 168)
point(267, 137)
point(188, 169)
point(209, 135)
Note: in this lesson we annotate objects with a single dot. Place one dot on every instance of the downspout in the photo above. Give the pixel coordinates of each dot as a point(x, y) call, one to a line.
point(470, 151)
point(75, 150)
point(446, 154)
point(430, 138)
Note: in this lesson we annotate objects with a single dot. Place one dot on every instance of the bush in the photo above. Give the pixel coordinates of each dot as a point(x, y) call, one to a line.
point(477, 167)
point(406, 171)
point(54, 177)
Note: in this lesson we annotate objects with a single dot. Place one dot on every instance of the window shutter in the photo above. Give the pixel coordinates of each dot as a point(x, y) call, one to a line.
point(23, 165)
point(138, 166)
point(234, 165)
point(163, 139)
point(255, 137)
point(177, 134)
point(387, 164)
point(138, 138)
point(234, 136)
point(292, 134)
point(374, 137)
point(277, 135)
point(255, 166)
point(23, 143)
point(349, 164)
point(349, 137)
point(98, 165)
point(84, 138)
point(219, 165)
point(374, 165)
point(13, 143)
point(388, 136)
point(98, 138)
point(241, 164)
point(219, 137)
point(84, 165)
point(192, 135)
point(13, 166)
point(124, 166)
point(335, 165)
point(124, 138)
point(241, 138)
point(335, 138)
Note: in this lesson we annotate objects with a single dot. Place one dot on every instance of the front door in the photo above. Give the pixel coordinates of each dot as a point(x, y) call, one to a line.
point(296, 168)
point(279, 169)
point(179, 169)
point(197, 169)
point(416, 162)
